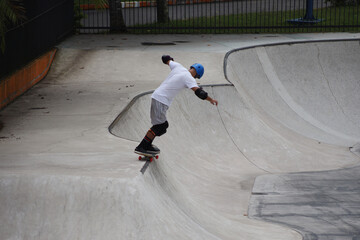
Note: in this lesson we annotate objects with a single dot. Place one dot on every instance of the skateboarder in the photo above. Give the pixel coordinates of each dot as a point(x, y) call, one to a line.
point(178, 79)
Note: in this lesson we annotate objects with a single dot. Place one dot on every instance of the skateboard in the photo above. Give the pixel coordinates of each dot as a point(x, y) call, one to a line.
point(148, 158)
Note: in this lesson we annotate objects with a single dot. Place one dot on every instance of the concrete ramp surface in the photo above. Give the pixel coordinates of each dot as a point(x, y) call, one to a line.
point(292, 108)
point(310, 88)
point(249, 168)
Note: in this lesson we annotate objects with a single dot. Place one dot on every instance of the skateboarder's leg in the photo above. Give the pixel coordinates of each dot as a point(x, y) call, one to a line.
point(156, 130)
point(158, 119)
point(147, 140)
point(160, 129)
point(150, 135)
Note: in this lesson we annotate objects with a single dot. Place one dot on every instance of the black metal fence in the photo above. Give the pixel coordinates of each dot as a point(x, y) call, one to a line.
point(218, 16)
point(47, 22)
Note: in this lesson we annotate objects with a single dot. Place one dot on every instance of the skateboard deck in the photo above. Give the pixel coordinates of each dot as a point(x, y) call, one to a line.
point(148, 158)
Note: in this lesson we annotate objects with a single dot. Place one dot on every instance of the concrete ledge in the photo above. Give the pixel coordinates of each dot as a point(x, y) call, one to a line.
point(16, 84)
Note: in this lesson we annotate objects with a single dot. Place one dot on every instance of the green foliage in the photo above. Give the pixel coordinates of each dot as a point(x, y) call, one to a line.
point(78, 15)
point(11, 13)
point(100, 4)
point(338, 3)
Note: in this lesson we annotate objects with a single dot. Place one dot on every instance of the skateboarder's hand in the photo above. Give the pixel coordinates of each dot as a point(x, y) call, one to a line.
point(166, 58)
point(214, 102)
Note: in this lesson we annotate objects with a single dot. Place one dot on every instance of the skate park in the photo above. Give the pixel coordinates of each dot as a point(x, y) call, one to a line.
point(277, 159)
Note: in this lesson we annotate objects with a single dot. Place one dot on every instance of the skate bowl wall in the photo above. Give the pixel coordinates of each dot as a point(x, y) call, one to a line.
point(285, 113)
point(310, 88)
point(65, 176)
point(198, 170)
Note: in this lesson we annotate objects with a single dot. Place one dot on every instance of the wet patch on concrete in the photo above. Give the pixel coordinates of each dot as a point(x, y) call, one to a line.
point(319, 205)
point(157, 43)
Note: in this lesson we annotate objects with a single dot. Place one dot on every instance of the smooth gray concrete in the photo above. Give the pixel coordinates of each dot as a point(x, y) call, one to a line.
point(320, 205)
point(63, 175)
point(315, 87)
point(311, 89)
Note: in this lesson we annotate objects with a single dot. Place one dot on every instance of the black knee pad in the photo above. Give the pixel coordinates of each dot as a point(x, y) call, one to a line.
point(160, 129)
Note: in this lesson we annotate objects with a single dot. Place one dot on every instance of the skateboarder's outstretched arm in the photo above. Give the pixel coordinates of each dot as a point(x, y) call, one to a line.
point(203, 95)
point(195, 74)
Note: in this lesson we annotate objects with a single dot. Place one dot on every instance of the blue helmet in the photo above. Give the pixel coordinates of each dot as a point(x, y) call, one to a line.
point(199, 69)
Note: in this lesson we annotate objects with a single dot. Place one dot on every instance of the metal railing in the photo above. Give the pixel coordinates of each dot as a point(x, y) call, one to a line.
point(219, 16)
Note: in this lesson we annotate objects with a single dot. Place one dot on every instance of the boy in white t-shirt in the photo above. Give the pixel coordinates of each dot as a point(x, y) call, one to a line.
point(178, 79)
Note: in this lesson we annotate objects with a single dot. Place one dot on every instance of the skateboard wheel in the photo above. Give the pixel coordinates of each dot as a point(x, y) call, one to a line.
point(157, 156)
point(140, 157)
point(151, 159)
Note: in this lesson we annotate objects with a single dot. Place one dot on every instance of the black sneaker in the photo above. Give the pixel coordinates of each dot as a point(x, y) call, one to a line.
point(153, 149)
point(141, 151)
point(149, 151)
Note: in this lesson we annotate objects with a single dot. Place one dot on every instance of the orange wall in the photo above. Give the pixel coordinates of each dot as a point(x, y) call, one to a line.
point(16, 84)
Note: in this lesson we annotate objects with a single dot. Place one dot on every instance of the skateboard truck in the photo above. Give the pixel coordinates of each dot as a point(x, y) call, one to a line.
point(148, 160)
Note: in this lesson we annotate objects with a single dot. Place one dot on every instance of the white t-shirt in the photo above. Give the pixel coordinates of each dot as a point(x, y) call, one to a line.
point(178, 79)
